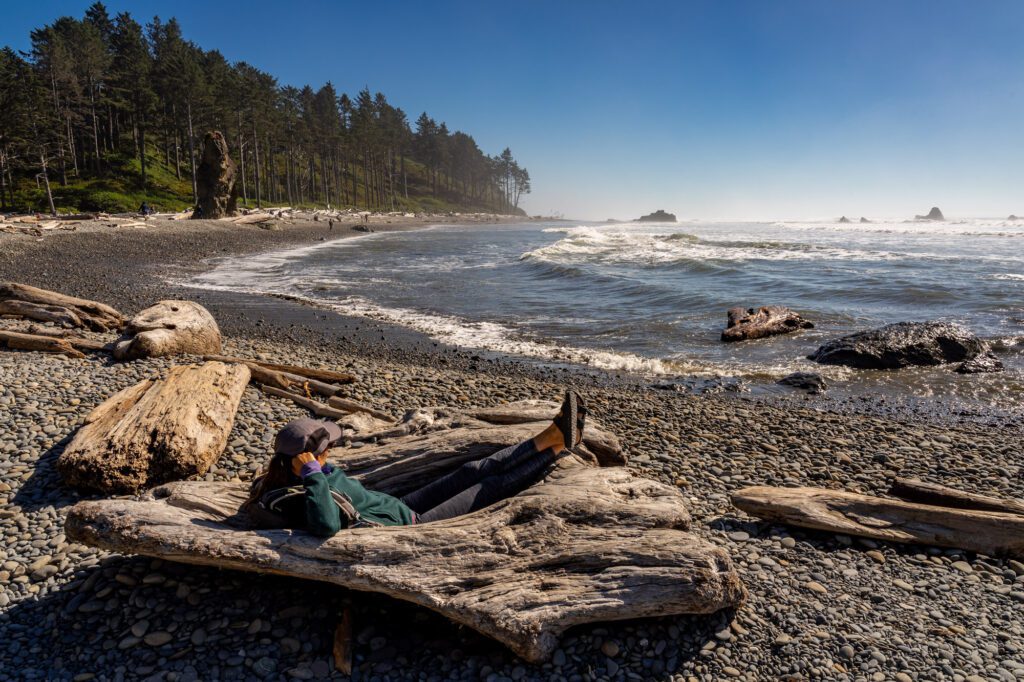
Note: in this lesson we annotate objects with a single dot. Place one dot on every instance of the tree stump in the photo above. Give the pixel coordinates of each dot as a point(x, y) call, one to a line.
point(586, 544)
point(215, 179)
point(169, 328)
point(156, 431)
point(771, 320)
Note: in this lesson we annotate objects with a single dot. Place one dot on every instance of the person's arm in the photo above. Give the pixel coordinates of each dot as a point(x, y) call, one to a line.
point(323, 518)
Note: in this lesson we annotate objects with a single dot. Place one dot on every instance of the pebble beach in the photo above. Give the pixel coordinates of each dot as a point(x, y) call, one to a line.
point(821, 606)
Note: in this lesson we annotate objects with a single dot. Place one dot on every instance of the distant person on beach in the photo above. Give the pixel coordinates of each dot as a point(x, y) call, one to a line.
point(300, 489)
point(146, 209)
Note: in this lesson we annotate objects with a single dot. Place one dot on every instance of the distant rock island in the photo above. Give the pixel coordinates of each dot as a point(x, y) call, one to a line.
point(844, 219)
point(658, 216)
point(934, 214)
point(864, 220)
point(1014, 217)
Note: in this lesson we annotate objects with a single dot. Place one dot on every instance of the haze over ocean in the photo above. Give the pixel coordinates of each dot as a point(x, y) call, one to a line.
point(708, 109)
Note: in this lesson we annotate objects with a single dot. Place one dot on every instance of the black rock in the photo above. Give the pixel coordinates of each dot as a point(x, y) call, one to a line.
point(806, 381)
point(864, 220)
point(658, 216)
point(844, 219)
point(1014, 217)
point(934, 214)
point(901, 345)
point(986, 363)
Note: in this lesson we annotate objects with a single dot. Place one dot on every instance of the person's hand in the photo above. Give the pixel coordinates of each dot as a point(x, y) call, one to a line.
point(299, 460)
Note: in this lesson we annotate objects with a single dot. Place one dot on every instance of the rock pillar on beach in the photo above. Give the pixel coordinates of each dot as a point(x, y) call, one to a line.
point(215, 179)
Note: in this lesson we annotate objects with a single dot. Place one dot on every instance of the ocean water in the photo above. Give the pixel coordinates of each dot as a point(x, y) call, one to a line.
point(652, 298)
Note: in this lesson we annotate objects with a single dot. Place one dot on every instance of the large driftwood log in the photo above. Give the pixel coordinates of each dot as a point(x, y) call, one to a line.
point(771, 320)
point(169, 328)
point(931, 493)
point(157, 430)
point(584, 545)
point(50, 306)
point(985, 532)
point(314, 406)
point(326, 375)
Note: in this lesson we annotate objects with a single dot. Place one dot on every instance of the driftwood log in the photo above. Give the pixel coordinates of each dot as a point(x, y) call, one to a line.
point(169, 328)
point(325, 375)
point(584, 545)
point(985, 532)
point(157, 430)
point(314, 406)
point(750, 323)
point(42, 344)
point(931, 493)
point(49, 306)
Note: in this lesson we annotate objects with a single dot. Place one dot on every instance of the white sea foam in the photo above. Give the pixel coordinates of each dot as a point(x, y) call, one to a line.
point(1009, 276)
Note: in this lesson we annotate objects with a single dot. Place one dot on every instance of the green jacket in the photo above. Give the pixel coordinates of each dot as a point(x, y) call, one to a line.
point(323, 518)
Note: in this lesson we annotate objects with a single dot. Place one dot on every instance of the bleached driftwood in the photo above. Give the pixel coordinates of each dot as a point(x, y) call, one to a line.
point(585, 545)
point(985, 532)
point(757, 323)
point(50, 306)
point(169, 328)
point(931, 493)
point(314, 406)
point(326, 375)
point(348, 406)
point(157, 430)
point(43, 344)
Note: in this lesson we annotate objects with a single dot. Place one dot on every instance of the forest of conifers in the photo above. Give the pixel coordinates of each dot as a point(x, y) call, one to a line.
point(108, 113)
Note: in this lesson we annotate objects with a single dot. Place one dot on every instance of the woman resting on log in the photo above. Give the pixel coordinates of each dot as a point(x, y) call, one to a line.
point(300, 489)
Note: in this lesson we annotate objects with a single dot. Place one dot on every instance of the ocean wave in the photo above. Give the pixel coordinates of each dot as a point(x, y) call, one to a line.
point(973, 228)
point(1008, 276)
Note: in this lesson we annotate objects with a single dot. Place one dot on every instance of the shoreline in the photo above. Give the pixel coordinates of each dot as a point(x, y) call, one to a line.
point(86, 606)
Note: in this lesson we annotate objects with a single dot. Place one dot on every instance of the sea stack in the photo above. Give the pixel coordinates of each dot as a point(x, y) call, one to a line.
point(934, 214)
point(844, 219)
point(215, 179)
point(1014, 217)
point(864, 220)
point(658, 216)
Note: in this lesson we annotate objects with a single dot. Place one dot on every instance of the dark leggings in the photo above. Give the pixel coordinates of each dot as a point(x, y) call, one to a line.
point(480, 483)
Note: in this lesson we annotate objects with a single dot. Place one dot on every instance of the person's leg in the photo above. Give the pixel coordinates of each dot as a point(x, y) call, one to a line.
point(471, 473)
point(492, 489)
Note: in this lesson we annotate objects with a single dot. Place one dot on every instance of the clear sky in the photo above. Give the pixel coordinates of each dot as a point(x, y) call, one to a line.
point(716, 109)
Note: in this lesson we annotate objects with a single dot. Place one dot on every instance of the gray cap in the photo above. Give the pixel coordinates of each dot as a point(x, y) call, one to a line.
point(306, 435)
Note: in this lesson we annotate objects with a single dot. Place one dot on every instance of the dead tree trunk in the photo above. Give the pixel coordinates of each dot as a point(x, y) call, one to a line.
point(985, 532)
point(40, 304)
point(772, 320)
point(156, 431)
point(939, 495)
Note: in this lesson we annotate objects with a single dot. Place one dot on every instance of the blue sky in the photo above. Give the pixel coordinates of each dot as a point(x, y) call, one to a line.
point(719, 109)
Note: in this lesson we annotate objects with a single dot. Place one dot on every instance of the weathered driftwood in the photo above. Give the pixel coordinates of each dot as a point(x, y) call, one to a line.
point(326, 375)
point(290, 382)
point(348, 406)
point(314, 406)
point(76, 341)
point(985, 532)
point(939, 495)
point(584, 545)
point(157, 430)
point(169, 328)
point(750, 323)
point(341, 647)
point(50, 306)
point(42, 344)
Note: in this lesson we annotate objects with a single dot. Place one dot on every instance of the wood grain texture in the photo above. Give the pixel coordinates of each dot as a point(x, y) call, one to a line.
point(913, 490)
point(157, 430)
point(585, 545)
point(992, 533)
point(44, 305)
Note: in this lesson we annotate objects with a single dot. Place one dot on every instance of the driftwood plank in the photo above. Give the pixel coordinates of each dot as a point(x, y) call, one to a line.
point(157, 430)
point(585, 545)
point(35, 342)
point(314, 406)
point(985, 532)
point(326, 375)
point(931, 493)
point(96, 316)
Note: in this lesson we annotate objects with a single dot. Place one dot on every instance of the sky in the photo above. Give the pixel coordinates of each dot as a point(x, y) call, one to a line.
point(724, 109)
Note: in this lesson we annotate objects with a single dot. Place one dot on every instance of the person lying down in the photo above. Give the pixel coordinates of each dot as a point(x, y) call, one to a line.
point(300, 489)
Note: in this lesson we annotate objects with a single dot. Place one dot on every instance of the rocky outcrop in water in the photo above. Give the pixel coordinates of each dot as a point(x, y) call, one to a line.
point(215, 179)
point(902, 345)
point(1014, 217)
point(864, 220)
point(844, 219)
point(986, 363)
point(805, 381)
point(658, 216)
point(934, 214)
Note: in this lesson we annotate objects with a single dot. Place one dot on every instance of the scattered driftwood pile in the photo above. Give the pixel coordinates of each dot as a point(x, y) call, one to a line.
point(21, 300)
point(169, 328)
point(926, 514)
point(586, 544)
point(39, 225)
point(750, 323)
point(156, 431)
